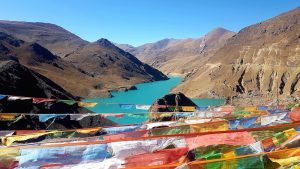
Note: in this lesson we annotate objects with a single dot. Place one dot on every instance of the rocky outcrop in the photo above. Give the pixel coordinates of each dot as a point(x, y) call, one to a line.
point(124, 89)
point(260, 60)
point(171, 100)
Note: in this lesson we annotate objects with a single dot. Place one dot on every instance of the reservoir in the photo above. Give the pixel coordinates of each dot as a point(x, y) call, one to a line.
point(146, 93)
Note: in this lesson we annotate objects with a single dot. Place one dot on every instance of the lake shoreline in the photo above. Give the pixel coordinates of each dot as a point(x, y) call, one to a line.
point(145, 94)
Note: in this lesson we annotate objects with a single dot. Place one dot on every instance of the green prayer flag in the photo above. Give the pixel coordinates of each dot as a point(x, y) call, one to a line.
point(170, 130)
point(68, 102)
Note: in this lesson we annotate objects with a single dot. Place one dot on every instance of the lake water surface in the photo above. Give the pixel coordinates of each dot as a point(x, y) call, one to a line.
point(146, 93)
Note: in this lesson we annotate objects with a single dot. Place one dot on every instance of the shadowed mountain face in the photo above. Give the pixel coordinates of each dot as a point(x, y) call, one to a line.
point(125, 47)
point(18, 80)
point(92, 69)
point(261, 59)
point(180, 56)
point(32, 53)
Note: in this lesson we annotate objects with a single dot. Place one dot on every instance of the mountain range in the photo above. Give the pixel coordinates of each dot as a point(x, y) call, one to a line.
point(82, 68)
point(180, 56)
point(260, 60)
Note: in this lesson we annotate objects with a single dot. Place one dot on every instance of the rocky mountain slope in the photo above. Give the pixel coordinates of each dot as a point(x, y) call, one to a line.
point(125, 47)
point(260, 60)
point(58, 40)
point(18, 80)
point(180, 56)
point(111, 65)
point(92, 69)
point(39, 59)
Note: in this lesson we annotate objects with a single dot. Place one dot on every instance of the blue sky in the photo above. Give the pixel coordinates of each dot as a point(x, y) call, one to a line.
point(142, 21)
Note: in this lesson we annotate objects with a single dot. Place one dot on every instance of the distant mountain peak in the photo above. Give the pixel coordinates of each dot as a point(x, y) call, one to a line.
point(244, 65)
point(104, 42)
point(161, 43)
point(218, 31)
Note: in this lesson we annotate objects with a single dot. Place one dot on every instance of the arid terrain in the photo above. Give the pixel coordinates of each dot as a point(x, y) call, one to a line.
point(84, 69)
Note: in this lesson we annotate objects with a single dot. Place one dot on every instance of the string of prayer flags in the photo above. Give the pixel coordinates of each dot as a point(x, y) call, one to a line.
point(199, 137)
point(43, 100)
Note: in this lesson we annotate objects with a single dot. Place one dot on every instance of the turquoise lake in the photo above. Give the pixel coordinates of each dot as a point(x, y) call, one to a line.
point(146, 93)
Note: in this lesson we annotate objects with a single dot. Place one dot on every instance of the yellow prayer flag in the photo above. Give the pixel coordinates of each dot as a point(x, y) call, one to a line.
point(188, 108)
point(11, 139)
point(88, 130)
point(165, 115)
point(157, 115)
point(5, 152)
point(286, 161)
point(211, 126)
point(250, 108)
point(229, 154)
point(8, 117)
point(290, 132)
point(229, 163)
point(8, 156)
point(259, 113)
point(275, 141)
point(285, 157)
point(87, 104)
